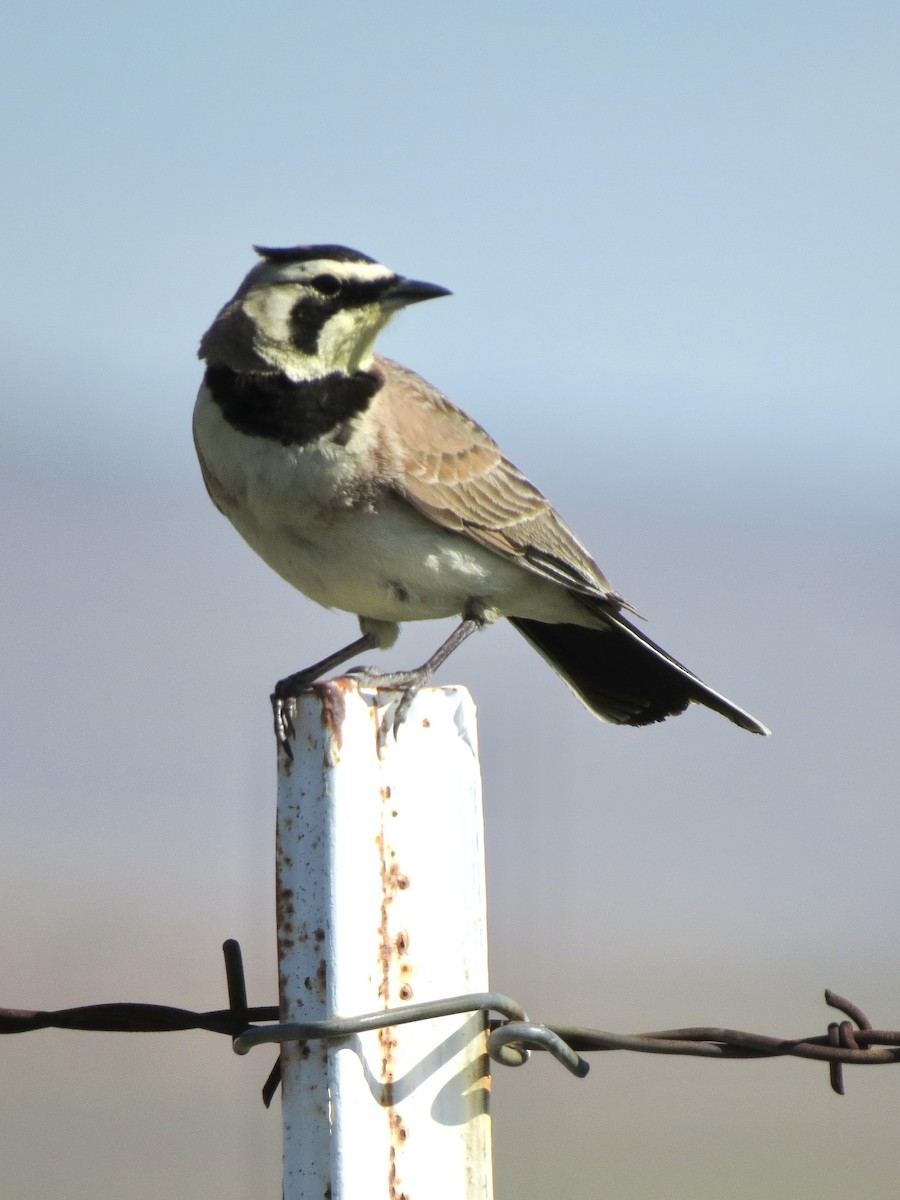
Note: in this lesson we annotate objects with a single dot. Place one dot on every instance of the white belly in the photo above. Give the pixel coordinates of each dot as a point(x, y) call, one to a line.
point(381, 559)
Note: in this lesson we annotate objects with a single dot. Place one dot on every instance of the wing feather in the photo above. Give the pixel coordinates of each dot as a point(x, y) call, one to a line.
point(453, 472)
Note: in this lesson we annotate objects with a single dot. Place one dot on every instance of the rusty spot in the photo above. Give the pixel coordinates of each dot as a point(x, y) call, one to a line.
point(319, 934)
point(398, 1135)
point(286, 931)
point(398, 1129)
point(393, 945)
point(426, 724)
point(305, 1051)
point(334, 707)
point(285, 945)
point(291, 1005)
point(482, 1065)
point(321, 973)
point(387, 1041)
point(392, 878)
point(387, 895)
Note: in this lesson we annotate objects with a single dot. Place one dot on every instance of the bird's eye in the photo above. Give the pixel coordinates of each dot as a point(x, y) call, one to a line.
point(328, 285)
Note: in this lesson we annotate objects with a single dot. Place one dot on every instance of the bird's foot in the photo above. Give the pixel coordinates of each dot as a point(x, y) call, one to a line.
point(407, 683)
point(282, 717)
point(284, 705)
point(288, 689)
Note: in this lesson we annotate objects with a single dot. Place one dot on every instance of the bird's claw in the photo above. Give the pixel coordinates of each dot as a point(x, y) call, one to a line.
point(401, 712)
point(284, 704)
point(395, 713)
point(406, 683)
point(364, 674)
point(282, 713)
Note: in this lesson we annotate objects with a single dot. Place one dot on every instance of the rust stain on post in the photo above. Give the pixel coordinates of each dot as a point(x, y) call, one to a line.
point(285, 912)
point(334, 708)
point(398, 1134)
point(391, 951)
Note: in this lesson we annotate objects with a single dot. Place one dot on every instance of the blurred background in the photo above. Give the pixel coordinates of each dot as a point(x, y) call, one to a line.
point(671, 233)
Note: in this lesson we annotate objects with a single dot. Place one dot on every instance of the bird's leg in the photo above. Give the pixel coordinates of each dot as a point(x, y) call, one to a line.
point(409, 682)
point(292, 685)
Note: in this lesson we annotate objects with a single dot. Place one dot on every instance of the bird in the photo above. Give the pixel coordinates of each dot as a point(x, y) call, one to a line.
point(370, 492)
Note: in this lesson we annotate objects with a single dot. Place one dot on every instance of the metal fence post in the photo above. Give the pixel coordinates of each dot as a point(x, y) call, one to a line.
point(381, 901)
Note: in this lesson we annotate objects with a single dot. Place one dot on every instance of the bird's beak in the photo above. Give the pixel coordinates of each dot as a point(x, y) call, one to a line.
point(411, 291)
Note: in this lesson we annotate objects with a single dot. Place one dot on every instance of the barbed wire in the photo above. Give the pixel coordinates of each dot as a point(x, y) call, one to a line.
point(511, 1037)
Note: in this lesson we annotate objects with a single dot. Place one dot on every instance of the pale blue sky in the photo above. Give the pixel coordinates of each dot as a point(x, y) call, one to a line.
point(672, 234)
point(681, 213)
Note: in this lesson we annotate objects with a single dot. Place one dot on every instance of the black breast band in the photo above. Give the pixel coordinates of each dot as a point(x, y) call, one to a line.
point(273, 406)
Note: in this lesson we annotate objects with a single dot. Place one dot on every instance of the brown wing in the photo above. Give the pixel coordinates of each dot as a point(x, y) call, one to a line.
point(456, 475)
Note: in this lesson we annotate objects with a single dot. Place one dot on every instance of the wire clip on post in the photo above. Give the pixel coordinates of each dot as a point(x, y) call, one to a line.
point(508, 1042)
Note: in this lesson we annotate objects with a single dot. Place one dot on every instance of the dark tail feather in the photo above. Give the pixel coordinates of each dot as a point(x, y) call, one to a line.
point(622, 676)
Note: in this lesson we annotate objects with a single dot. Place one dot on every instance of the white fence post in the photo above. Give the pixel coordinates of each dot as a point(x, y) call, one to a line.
point(381, 902)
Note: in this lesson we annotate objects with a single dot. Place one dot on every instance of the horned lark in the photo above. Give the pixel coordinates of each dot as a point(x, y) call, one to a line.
point(369, 491)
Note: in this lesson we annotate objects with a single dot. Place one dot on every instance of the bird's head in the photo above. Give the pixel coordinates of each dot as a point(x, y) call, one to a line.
point(309, 311)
